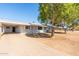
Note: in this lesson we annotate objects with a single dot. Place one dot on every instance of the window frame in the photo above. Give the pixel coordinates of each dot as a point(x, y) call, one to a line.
point(39, 28)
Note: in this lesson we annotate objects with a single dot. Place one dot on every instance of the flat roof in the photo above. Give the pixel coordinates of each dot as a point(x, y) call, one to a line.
point(4, 21)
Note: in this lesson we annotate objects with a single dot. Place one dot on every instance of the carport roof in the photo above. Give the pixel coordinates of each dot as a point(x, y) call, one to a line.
point(12, 22)
point(4, 21)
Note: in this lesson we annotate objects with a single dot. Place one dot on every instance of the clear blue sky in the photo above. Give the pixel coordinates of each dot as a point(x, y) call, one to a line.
point(23, 12)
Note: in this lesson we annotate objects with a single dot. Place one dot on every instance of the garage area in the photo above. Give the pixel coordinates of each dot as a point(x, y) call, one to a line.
point(12, 28)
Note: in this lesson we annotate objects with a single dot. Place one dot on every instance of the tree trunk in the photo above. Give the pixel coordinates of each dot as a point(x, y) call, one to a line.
point(73, 27)
point(52, 32)
point(52, 29)
point(65, 31)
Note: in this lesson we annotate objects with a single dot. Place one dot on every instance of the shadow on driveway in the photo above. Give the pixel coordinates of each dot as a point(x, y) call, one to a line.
point(39, 35)
point(60, 32)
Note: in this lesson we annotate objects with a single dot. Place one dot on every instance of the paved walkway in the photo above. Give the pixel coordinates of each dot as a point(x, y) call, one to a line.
point(17, 44)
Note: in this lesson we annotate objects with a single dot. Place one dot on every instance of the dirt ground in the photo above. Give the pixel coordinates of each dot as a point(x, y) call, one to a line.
point(22, 45)
point(66, 43)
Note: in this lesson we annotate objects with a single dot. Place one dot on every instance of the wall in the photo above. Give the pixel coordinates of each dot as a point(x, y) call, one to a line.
point(1, 33)
point(0, 27)
point(7, 29)
point(33, 29)
point(22, 29)
point(17, 29)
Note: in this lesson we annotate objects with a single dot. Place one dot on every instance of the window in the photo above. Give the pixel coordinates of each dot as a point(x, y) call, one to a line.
point(45, 28)
point(39, 28)
point(27, 27)
point(7, 27)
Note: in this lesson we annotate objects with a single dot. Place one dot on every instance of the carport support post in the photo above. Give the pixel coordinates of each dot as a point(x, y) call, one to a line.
point(0, 27)
point(1, 30)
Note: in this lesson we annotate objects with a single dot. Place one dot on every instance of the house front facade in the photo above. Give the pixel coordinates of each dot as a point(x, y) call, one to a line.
point(23, 28)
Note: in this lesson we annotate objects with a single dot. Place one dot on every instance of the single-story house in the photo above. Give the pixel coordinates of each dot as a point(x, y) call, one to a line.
point(18, 27)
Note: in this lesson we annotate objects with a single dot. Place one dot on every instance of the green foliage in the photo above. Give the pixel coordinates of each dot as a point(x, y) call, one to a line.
point(43, 8)
point(56, 12)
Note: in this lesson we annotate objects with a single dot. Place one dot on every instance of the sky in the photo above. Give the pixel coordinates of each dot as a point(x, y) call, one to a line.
point(22, 12)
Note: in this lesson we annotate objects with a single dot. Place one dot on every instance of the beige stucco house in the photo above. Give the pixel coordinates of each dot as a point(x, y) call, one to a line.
point(18, 27)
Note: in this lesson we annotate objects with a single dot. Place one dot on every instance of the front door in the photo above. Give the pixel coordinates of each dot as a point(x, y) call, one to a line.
point(13, 29)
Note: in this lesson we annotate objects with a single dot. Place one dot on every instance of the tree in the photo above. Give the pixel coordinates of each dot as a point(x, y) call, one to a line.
point(57, 12)
point(72, 10)
point(43, 15)
point(52, 12)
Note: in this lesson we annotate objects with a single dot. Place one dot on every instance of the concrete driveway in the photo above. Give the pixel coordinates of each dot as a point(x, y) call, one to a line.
point(21, 45)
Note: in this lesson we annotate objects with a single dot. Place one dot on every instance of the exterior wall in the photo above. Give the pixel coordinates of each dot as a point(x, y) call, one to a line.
point(33, 29)
point(45, 29)
point(0, 27)
point(42, 30)
point(8, 29)
point(1, 33)
point(17, 29)
point(21, 29)
point(27, 30)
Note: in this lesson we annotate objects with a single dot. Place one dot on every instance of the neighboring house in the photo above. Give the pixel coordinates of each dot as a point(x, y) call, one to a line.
point(24, 28)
